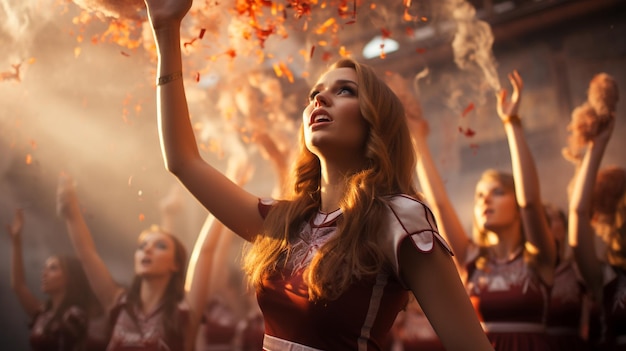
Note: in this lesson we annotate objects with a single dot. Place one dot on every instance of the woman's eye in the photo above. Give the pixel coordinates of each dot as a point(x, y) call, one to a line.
point(345, 90)
point(161, 245)
point(312, 95)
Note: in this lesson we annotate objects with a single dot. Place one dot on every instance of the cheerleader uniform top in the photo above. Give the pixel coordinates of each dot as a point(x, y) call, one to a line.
point(511, 301)
point(146, 332)
point(614, 308)
point(362, 316)
point(66, 334)
point(566, 309)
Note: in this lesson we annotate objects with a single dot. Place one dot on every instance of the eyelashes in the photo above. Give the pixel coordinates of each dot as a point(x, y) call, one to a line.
point(339, 91)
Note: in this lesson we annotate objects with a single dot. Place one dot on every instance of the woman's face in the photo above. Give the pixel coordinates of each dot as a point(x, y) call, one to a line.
point(332, 120)
point(53, 278)
point(494, 206)
point(156, 255)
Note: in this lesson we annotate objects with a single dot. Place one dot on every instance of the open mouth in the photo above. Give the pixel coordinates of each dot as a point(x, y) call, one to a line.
point(319, 116)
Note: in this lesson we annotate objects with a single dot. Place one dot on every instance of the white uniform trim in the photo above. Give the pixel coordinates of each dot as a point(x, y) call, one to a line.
point(272, 343)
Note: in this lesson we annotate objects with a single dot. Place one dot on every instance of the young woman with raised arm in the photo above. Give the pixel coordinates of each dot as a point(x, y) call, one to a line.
point(334, 262)
point(508, 263)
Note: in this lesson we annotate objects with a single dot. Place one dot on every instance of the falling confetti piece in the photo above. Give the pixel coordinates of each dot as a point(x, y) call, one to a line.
point(468, 109)
point(469, 132)
point(385, 33)
point(29, 159)
point(141, 217)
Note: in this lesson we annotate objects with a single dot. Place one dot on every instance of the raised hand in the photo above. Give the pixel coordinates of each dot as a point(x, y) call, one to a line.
point(15, 228)
point(604, 133)
point(67, 202)
point(163, 13)
point(509, 109)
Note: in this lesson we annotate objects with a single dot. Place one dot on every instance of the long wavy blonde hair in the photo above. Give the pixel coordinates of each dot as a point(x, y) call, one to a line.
point(390, 170)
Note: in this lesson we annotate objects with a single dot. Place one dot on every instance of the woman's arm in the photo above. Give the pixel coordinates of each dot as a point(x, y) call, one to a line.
point(229, 203)
point(27, 299)
point(536, 230)
point(208, 265)
point(199, 272)
point(580, 232)
point(100, 279)
point(434, 280)
point(436, 195)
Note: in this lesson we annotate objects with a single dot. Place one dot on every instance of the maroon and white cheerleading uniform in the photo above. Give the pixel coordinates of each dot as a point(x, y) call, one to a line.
point(614, 309)
point(219, 326)
point(360, 319)
point(412, 332)
point(66, 334)
point(511, 301)
point(146, 333)
point(566, 309)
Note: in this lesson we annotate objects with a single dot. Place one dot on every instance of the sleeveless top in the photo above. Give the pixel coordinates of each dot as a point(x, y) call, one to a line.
point(219, 326)
point(614, 308)
point(146, 333)
point(67, 334)
point(565, 313)
point(359, 319)
point(511, 301)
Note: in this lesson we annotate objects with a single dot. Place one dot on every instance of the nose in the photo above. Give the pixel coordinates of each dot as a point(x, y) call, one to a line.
point(320, 100)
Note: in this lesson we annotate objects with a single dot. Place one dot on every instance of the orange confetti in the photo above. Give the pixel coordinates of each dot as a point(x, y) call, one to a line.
point(407, 16)
point(324, 27)
point(468, 109)
point(197, 77)
point(202, 31)
point(188, 43)
point(469, 132)
point(76, 51)
point(130, 180)
point(141, 217)
point(124, 53)
point(231, 52)
point(29, 159)
point(312, 51)
point(343, 52)
point(385, 33)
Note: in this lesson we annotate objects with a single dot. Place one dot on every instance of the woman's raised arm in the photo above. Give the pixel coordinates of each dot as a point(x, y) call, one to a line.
point(580, 232)
point(27, 299)
point(228, 202)
point(436, 194)
point(100, 279)
point(536, 230)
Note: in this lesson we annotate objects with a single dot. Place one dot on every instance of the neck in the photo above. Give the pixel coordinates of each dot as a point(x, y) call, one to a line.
point(56, 299)
point(152, 291)
point(333, 182)
point(509, 242)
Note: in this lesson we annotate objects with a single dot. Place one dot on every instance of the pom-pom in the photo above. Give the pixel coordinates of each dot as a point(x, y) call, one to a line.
point(589, 118)
point(603, 94)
